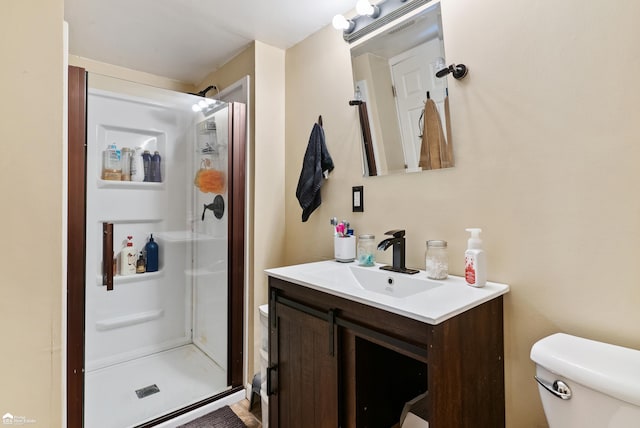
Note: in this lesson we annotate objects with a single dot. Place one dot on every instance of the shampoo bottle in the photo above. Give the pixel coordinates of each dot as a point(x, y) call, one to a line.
point(475, 263)
point(146, 164)
point(152, 255)
point(155, 173)
point(137, 165)
point(128, 258)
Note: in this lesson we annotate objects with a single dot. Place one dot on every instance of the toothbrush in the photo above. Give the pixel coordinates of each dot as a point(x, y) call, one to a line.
point(334, 222)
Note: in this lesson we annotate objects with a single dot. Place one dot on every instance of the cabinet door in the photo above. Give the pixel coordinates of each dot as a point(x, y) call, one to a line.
point(303, 354)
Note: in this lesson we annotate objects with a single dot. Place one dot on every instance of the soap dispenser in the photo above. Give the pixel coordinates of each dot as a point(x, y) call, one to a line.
point(475, 264)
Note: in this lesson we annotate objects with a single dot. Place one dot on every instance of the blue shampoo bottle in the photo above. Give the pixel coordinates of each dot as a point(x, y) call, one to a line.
point(152, 255)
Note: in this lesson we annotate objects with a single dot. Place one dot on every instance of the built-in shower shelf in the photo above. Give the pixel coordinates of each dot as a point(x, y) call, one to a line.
point(128, 279)
point(128, 320)
point(204, 272)
point(113, 184)
point(187, 236)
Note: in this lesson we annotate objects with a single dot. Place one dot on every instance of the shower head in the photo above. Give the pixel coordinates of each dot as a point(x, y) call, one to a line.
point(203, 93)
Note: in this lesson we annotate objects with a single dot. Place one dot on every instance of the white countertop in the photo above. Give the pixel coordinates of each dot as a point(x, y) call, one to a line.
point(451, 297)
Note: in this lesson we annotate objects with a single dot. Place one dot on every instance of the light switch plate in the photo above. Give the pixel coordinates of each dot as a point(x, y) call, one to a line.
point(357, 199)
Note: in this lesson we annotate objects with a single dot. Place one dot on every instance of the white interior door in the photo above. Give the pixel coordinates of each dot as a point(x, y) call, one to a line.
point(413, 76)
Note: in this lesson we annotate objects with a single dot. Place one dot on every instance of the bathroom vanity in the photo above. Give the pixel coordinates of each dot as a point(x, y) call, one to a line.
point(349, 346)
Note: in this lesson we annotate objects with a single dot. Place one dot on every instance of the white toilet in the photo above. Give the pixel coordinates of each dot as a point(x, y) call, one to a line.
point(587, 384)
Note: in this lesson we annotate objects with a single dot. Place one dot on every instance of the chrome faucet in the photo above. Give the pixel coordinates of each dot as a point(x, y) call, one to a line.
point(398, 242)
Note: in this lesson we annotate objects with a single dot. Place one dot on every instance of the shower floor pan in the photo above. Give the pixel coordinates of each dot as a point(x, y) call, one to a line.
point(130, 393)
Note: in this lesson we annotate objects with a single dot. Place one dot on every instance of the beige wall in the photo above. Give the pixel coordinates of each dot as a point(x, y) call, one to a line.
point(269, 196)
point(546, 142)
point(240, 65)
point(31, 214)
point(128, 74)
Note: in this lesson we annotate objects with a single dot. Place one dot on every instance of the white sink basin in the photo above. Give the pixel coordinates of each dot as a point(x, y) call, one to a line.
point(412, 296)
point(392, 284)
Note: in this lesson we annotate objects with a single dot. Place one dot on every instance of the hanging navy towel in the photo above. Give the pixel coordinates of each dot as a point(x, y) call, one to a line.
point(316, 160)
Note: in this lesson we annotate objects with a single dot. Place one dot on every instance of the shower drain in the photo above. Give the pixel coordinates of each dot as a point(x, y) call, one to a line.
point(147, 390)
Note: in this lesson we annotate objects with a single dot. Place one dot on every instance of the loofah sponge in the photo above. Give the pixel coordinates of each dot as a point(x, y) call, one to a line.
point(210, 181)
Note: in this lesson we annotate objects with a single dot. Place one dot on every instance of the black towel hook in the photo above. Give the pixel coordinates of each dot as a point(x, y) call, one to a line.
point(320, 120)
point(459, 71)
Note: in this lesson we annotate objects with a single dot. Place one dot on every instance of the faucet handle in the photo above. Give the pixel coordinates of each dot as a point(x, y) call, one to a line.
point(396, 233)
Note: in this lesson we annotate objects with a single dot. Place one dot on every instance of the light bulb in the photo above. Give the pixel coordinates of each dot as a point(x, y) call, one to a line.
point(196, 108)
point(340, 22)
point(363, 7)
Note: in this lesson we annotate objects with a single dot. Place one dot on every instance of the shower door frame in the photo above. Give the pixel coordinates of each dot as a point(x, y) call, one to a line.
point(76, 243)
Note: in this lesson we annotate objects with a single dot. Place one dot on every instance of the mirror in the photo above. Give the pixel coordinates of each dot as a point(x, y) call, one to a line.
point(403, 106)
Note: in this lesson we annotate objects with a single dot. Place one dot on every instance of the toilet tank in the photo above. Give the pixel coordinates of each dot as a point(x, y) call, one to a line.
point(604, 382)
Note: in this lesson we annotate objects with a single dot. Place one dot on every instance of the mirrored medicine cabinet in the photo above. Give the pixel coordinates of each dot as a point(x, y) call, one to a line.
point(403, 106)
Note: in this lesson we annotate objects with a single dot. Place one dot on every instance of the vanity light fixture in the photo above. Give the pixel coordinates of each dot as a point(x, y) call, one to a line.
point(370, 17)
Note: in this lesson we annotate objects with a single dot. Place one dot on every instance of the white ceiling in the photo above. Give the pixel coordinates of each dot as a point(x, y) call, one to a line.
point(188, 39)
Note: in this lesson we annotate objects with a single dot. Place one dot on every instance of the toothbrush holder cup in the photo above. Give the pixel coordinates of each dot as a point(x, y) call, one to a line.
point(344, 248)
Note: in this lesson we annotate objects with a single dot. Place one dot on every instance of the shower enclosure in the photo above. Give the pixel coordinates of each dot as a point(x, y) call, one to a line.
point(157, 343)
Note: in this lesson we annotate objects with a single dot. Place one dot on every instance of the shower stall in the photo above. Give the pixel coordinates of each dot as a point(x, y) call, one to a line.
point(158, 343)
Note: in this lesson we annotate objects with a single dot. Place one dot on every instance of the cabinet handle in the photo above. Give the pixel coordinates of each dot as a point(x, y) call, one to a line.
point(270, 371)
point(107, 255)
point(272, 309)
point(331, 315)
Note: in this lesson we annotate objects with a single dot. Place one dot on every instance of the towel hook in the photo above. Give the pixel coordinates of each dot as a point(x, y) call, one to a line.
point(459, 71)
point(320, 120)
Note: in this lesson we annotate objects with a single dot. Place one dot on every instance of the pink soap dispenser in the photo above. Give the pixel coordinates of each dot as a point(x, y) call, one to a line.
point(475, 263)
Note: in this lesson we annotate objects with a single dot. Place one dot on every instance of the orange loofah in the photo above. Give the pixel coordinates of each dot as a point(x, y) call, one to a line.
point(210, 181)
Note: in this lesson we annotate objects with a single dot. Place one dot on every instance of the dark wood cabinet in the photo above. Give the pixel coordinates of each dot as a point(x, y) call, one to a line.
point(339, 363)
point(306, 365)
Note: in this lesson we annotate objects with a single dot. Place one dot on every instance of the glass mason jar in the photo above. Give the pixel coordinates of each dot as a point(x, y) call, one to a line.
point(366, 250)
point(437, 260)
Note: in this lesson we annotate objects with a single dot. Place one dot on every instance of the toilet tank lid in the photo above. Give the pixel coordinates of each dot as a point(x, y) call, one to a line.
point(609, 369)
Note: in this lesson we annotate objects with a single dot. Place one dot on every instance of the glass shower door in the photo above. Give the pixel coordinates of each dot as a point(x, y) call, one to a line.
point(157, 341)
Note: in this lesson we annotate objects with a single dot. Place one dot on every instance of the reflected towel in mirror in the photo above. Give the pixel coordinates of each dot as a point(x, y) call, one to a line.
point(434, 152)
